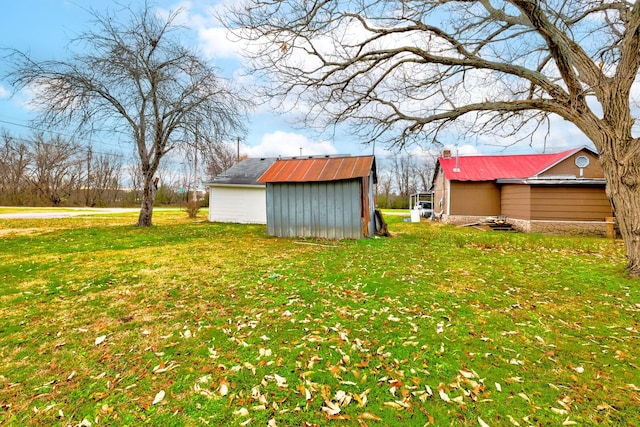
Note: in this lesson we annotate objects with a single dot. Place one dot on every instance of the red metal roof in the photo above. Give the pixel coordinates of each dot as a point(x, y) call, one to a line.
point(489, 168)
point(318, 169)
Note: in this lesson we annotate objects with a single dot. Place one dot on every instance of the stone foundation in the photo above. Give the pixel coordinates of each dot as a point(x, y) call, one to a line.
point(573, 228)
point(576, 228)
point(462, 219)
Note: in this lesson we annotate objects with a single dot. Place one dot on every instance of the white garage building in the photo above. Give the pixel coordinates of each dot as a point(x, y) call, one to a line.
point(236, 196)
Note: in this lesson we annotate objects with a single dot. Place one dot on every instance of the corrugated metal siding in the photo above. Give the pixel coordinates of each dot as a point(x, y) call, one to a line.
point(315, 209)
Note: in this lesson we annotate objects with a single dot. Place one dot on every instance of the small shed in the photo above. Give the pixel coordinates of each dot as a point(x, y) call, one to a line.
point(235, 195)
point(327, 197)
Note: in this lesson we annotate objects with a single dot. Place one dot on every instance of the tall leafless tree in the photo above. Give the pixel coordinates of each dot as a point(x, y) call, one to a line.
point(403, 70)
point(101, 179)
point(14, 161)
point(55, 169)
point(133, 75)
point(219, 158)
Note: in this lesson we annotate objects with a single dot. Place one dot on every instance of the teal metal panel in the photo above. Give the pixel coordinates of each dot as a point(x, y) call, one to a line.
point(315, 209)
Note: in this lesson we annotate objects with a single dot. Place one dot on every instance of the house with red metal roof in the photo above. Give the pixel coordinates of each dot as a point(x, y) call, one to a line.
point(327, 197)
point(553, 192)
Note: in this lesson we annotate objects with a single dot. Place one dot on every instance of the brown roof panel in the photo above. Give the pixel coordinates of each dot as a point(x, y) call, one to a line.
point(318, 169)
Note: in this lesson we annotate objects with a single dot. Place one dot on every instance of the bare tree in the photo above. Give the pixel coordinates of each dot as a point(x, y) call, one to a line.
point(219, 158)
point(137, 76)
point(55, 169)
point(403, 71)
point(101, 177)
point(403, 167)
point(14, 161)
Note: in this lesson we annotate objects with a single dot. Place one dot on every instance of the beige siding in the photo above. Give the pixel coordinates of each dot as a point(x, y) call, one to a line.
point(475, 198)
point(588, 203)
point(516, 201)
point(568, 167)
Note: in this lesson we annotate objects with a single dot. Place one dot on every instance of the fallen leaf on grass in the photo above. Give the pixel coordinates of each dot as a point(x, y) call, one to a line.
point(100, 339)
point(369, 416)
point(525, 397)
point(331, 408)
point(223, 389)
point(569, 422)
point(444, 396)
point(242, 412)
point(159, 397)
point(513, 420)
point(482, 423)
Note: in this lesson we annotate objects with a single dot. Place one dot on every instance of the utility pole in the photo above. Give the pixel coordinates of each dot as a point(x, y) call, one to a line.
point(195, 167)
point(238, 156)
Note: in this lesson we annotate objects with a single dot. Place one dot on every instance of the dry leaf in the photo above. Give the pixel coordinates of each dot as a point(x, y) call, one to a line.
point(513, 420)
point(444, 396)
point(280, 381)
point(525, 397)
point(369, 416)
point(100, 339)
point(242, 412)
point(498, 386)
point(158, 397)
point(223, 389)
point(569, 422)
point(482, 423)
point(331, 408)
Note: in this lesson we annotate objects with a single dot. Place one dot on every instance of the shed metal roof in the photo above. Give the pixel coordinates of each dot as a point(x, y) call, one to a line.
point(319, 169)
point(246, 172)
point(489, 168)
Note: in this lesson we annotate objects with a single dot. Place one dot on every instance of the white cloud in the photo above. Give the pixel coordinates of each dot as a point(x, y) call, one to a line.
point(287, 144)
point(4, 93)
point(215, 43)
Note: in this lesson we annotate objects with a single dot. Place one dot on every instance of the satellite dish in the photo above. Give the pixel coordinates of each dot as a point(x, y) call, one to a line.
point(582, 161)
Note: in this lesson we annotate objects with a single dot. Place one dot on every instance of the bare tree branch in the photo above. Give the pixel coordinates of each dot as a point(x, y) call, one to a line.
point(137, 76)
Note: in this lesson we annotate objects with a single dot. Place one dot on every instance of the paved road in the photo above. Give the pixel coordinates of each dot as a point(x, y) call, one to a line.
point(65, 213)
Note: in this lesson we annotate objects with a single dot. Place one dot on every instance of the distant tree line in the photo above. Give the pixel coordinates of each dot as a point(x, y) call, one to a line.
point(401, 175)
point(53, 171)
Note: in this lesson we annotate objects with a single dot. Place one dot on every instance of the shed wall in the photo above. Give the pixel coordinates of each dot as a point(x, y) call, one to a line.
point(245, 205)
point(315, 209)
point(475, 198)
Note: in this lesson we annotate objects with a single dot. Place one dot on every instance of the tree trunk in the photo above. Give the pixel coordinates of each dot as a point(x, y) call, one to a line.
point(623, 188)
point(148, 199)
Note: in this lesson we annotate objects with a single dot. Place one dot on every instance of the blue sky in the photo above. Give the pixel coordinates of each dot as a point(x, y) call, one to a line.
point(44, 27)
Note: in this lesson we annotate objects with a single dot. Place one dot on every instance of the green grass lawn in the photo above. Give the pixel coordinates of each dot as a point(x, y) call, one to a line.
point(194, 323)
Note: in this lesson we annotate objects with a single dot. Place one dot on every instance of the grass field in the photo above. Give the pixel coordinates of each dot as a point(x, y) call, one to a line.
point(193, 323)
